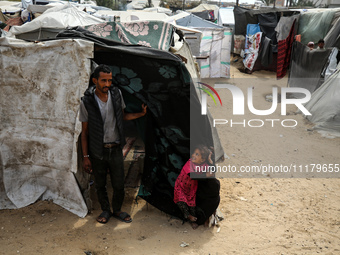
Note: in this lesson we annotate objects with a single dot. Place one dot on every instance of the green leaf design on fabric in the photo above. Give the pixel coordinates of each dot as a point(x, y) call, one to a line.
point(168, 71)
point(127, 78)
point(176, 161)
point(172, 178)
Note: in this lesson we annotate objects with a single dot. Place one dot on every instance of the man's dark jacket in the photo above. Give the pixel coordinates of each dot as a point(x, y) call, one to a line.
point(95, 121)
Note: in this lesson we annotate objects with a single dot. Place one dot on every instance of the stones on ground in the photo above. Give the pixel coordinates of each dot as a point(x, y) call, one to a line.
point(184, 244)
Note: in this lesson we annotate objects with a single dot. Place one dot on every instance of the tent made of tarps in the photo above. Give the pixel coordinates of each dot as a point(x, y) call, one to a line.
point(53, 21)
point(194, 21)
point(269, 23)
point(158, 35)
point(202, 9)
point(308, 67)
point(324, 106)
point(39, 127)
point(244, 16)
point(214, 47)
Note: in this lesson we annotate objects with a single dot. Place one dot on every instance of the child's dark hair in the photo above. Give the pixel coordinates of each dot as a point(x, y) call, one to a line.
point(204, 151)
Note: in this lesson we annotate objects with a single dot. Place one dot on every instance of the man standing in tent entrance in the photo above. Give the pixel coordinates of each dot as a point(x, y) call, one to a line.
point(102, 114)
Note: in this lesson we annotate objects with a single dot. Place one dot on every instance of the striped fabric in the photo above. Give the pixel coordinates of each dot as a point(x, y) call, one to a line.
point(284, 52)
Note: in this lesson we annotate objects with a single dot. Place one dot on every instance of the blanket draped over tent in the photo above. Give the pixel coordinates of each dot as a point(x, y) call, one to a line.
point(154, 34)
point(38, 110)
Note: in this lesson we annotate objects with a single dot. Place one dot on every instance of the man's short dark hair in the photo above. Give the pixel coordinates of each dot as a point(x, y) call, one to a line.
point(321, 41)
point(101, 68)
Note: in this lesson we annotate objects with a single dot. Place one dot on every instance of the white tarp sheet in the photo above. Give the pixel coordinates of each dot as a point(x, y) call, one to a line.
point(41, 85)
point(59, 17)
point(8, 6)
point(226, 17)
point(216, 43)
point(127, 16)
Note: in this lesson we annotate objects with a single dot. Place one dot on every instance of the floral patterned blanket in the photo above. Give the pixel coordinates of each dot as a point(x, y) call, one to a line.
point(154, 34)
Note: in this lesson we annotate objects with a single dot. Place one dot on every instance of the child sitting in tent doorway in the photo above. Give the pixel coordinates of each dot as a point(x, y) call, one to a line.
point(186, 187)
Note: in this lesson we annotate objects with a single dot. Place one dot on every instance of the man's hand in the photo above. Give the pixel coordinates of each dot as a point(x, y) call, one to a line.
point(135, 115)
point(209, 158)
point(144, 106)
point(87, 165)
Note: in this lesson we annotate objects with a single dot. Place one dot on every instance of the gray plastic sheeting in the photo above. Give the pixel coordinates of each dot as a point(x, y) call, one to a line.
point(307, 67)
point(325, 106)
point(41, 85)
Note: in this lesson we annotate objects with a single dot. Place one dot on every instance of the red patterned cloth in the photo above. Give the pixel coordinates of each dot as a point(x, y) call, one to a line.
point(252, 50)
point(284, 52)
point(185, 187)
point(13, 22)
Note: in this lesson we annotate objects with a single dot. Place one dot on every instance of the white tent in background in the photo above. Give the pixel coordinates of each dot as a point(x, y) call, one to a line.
point(172, 19)
point(226, 19)
point(11, 7)
point(158, 10)
point(214, 58)
point(52, 21)
point(141, 15)
point(127, 16)
point(325, 106)
point(206, 7)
